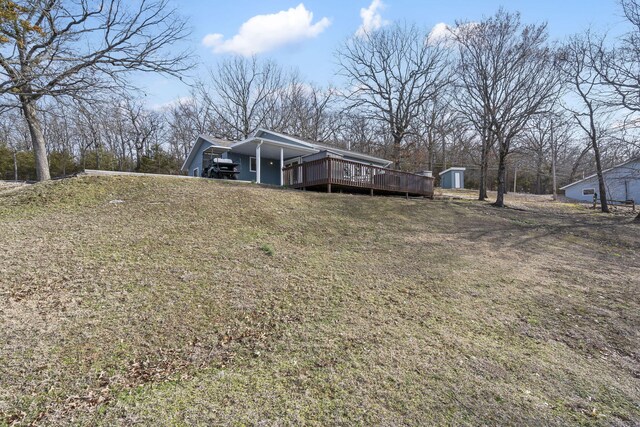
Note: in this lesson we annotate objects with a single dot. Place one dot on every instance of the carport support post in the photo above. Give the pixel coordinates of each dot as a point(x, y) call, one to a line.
point(258, 162)
point(281, 166)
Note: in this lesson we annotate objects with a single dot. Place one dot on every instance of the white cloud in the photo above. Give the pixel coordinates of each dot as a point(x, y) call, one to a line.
point(443, 33)
point(172, 103)
point(440, 32)
point(263, 33)
point(371, 18)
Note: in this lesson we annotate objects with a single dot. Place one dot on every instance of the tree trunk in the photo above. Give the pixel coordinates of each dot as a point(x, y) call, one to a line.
point(604, 206)
point(484, 170)
point(553, 164)
point(37, 138)
point(539, 174)
point(502, 172)
point(397, 146)
point(15, 166)
point(138, 158)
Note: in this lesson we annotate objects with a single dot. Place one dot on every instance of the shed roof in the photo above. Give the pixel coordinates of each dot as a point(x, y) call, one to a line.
point(452, 169)
point(633, 159)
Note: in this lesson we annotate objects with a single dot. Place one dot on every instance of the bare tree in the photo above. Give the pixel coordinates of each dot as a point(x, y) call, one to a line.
point(473, 92)
point(392, 73)
point(589, 110)
point(142, 127)
point(74, 48)
point(304, 110)
point(545, 135)
point(186, 120)
point(244, 94)
point(619, 67)
point(507, 74)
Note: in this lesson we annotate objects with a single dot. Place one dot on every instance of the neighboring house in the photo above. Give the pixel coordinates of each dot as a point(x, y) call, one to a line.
point(452, 178)
point(262, 156)
point(622, 183)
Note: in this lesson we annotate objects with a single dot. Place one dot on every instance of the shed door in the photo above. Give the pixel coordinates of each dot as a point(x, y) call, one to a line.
point(456, 180)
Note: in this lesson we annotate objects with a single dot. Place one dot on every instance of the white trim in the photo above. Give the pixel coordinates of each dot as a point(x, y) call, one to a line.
point(258, 163)
point(452, 169)
point(254, 158)
point(281, 166)
point(274, 143)
point(291, 138)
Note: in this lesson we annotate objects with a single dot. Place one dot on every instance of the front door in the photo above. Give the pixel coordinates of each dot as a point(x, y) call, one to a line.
point(456, 178)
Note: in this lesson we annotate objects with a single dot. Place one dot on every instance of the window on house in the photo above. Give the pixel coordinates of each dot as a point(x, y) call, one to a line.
point(588, 191)
point(252, 164)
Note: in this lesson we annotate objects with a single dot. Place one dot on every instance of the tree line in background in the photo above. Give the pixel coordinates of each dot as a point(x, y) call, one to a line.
point(497, 96)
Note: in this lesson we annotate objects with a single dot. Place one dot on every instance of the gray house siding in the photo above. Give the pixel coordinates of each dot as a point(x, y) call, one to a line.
point(197, 159)
point(622, 183)
point(269, 169)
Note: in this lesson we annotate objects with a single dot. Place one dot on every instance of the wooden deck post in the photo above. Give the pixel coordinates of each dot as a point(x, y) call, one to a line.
point(329, 175)
point(372, 192)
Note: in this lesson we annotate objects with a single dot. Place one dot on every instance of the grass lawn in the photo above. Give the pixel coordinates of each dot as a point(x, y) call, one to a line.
point(157, 301)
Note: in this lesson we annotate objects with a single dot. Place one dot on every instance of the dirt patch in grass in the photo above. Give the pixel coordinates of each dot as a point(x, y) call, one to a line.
point(147, 300)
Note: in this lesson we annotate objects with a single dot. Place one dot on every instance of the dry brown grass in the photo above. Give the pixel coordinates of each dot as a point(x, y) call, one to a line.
point(200, 302)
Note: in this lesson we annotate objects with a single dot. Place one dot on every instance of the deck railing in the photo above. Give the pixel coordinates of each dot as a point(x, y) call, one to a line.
point(340, 173)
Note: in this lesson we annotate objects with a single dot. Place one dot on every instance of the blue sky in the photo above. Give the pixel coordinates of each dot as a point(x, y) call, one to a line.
point(306, 34)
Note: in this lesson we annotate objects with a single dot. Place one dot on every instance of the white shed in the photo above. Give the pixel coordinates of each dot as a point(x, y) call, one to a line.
point(622, 183)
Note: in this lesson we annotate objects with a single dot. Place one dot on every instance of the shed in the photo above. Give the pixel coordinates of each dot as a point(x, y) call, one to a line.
point(452, 178)
point(622, 183)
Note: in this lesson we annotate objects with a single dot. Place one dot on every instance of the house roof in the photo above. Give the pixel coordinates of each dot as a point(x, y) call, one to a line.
point(215, 142)
point(300, 146)
point(452, 169)
point(321, 147)
point(633, 159)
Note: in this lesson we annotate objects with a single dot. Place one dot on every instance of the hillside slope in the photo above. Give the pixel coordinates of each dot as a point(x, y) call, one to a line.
point(159, 301)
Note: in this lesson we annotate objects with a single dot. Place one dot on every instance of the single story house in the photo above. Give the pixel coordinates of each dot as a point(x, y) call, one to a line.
point(622, 183)
point(263, 156)
point(452, 178)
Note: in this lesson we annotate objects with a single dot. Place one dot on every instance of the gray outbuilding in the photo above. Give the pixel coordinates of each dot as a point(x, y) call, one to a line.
point(622, 183)
point(452, 178)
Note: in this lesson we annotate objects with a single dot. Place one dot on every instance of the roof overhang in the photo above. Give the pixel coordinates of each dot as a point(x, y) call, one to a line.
point(270, 149)
point(452, 169)
point(365, 158)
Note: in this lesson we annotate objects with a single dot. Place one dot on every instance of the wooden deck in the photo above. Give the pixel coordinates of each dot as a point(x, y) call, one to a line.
point(331, 174)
